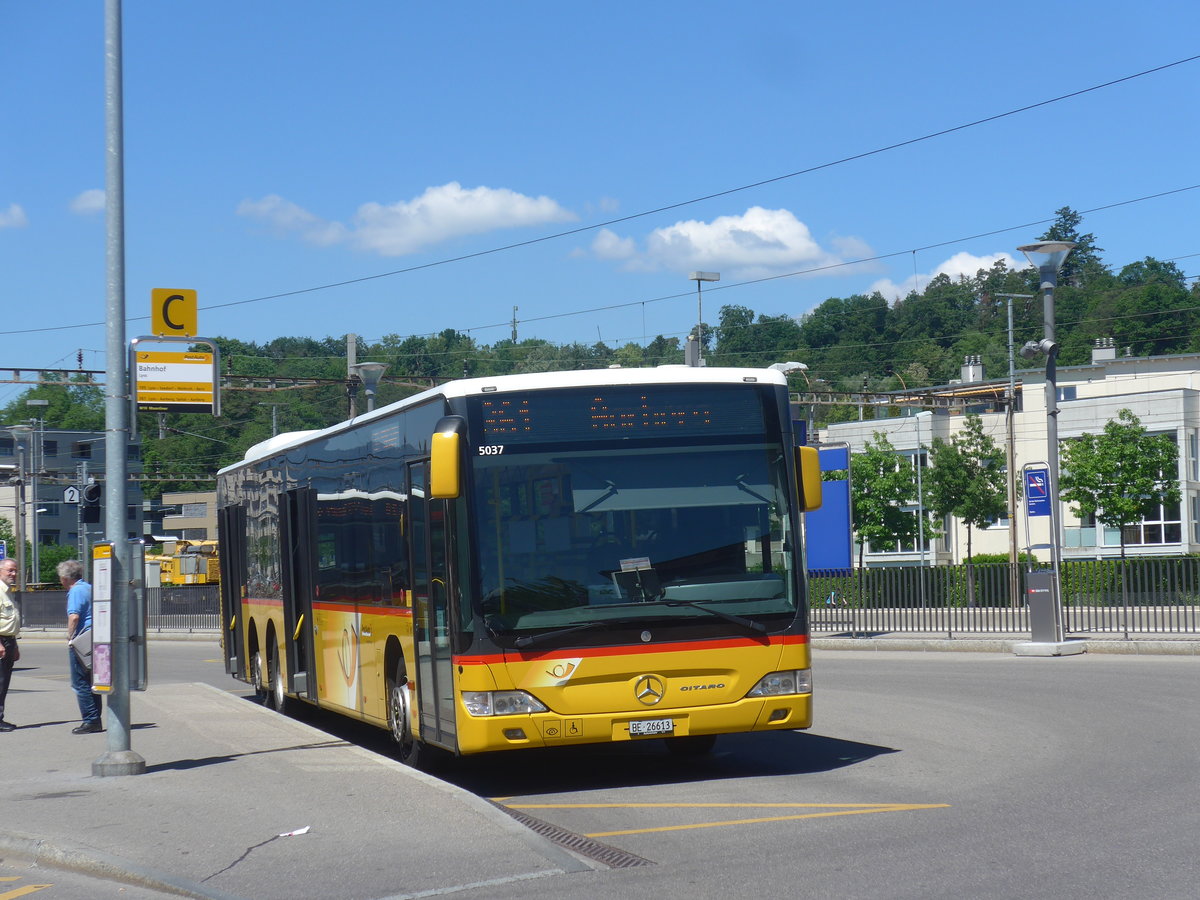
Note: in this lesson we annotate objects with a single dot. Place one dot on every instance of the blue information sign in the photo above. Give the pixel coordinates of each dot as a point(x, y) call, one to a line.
point(1037, 492)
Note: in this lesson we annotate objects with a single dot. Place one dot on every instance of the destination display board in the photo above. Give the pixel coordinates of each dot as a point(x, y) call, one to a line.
point(168, 381)
point(619, 413)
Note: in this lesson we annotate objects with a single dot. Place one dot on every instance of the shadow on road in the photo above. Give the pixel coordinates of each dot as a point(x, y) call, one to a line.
point(597, 766)
point(649, 762)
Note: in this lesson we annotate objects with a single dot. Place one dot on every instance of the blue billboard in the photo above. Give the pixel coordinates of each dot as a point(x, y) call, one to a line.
point(830, 547)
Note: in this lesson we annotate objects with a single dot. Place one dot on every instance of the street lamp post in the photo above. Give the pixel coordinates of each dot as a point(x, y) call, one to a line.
point(698, 277)
point(1010, 410)
point(1048, 257)
point(19, 435)
point(370, 373)
point(38, 468)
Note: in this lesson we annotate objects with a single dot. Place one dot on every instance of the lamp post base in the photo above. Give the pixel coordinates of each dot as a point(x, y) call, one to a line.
point(119, 762)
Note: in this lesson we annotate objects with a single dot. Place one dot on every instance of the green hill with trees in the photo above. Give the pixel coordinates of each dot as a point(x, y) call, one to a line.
point(848, 343)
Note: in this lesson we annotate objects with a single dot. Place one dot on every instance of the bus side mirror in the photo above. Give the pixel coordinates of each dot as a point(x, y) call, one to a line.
point(444, 466)
point(808, 473)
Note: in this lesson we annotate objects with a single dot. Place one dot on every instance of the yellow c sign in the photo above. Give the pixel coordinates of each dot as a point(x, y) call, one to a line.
point(173, 312)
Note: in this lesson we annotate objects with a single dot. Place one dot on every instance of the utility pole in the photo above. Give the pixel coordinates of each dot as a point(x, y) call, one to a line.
point(1014, 568)
point(351, 361)
point(514, 325)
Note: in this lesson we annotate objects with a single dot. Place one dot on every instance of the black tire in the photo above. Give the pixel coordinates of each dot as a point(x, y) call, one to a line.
point(277, 697)
point(257, 681)
point(692, 745)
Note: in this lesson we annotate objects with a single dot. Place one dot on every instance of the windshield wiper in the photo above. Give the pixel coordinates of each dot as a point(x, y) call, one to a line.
point(728, 617)
point(530, 640)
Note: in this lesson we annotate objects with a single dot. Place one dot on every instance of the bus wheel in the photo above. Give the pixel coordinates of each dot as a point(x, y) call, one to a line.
point(409, 749)
point(277, 696)
point(257, 681)
point(692, 745)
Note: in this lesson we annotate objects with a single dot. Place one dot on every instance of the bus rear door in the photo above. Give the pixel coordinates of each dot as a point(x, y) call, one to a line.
point(231, 526)
point(298, 534)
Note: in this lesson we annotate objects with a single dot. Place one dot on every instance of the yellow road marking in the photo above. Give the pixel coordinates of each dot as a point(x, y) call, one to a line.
point(827, 810)
point(23, 891)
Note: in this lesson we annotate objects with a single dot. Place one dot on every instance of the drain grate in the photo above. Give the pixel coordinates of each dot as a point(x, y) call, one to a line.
point(578, 843)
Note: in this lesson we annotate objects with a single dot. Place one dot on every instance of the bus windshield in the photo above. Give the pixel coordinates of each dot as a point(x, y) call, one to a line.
point(628, 535)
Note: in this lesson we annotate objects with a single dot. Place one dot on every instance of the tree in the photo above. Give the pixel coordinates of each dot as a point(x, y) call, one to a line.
point(968, 481)
point(881, 491)
point(742, 341)
point(1119, 475)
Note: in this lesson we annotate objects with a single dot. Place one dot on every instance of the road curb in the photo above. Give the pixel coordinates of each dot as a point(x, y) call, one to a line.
point(60, 634)
point(102, 865)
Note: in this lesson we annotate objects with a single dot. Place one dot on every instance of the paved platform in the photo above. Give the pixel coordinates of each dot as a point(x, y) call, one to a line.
point(238, 801)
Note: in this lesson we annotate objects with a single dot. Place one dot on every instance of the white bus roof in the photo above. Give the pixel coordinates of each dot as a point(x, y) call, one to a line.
point(467, 387)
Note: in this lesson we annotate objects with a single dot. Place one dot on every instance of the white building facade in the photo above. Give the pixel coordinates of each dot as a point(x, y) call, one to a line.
point(1162, 391)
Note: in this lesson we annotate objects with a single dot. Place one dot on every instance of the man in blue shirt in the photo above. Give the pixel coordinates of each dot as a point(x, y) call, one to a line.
point(79, 619)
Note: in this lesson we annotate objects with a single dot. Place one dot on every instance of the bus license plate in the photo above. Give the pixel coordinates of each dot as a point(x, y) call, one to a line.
point(645, 727)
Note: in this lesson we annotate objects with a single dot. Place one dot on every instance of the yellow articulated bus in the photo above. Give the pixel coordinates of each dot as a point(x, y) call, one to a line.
point(531, 561)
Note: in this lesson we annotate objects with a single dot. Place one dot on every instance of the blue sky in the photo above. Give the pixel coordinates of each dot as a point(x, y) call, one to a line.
point(274, 147)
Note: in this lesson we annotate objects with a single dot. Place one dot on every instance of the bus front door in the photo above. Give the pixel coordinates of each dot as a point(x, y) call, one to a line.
point(431, 555)
point(299, 585)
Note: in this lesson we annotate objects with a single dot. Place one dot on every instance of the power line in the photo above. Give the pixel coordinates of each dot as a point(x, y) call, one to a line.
point(673, 206)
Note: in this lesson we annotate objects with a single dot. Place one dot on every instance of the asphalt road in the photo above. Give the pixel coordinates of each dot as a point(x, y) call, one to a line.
point(927, 775)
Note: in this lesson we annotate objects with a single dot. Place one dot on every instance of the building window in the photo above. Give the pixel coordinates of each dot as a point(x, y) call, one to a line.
point(49, 448)
point(49, 509)
point(81, 450)
point(194, 510)
point(48, 536)
point(1161, 524)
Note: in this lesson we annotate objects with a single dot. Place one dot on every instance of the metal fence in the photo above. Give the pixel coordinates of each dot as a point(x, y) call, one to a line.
point(1159, 595)
point(190, 607)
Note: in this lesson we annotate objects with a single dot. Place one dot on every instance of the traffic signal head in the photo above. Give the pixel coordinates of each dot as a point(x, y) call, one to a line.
point(89, 501)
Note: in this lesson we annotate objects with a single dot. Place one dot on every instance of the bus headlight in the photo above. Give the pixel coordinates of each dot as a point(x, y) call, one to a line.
point(501, 703)
point(793, 681)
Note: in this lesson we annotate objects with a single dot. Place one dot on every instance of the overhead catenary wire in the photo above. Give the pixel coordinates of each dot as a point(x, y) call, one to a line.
point(678, 205)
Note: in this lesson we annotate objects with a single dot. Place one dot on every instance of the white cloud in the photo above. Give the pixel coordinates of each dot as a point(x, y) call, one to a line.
point(759, 240)
point(440, 214)
point(609, 245)
point(90, 201)
point(13, 217)
point(958, 266)
point(285, 216)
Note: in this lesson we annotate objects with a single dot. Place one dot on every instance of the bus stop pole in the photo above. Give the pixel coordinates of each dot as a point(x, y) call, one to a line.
point(119, 758)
